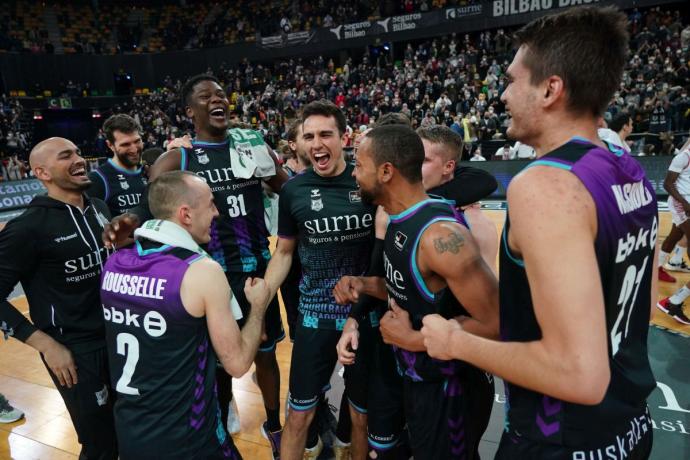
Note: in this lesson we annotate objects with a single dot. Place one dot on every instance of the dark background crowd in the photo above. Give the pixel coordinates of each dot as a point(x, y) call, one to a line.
point(455, 80)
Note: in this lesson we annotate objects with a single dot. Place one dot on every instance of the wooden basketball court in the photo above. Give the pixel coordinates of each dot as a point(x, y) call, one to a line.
point(46, 432)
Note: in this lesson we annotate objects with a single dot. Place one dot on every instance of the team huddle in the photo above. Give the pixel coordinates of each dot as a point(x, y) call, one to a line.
point(149, 290)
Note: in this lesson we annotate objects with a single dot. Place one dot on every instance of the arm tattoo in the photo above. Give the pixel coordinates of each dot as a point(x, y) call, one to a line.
point(453, 242)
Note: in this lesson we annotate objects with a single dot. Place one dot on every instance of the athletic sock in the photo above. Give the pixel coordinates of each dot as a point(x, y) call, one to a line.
point(312, 435)
point(677, 255)
point(344, 430)
point(663, 257)
point(680, 295)
point(273, 419)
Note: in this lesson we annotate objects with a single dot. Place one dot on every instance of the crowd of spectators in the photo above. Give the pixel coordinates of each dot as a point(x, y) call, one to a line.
point(455, 80)
point(149, 26)
point(13, 141)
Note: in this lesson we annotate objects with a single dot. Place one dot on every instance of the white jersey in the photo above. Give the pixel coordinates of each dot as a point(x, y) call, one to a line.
point(681, 165)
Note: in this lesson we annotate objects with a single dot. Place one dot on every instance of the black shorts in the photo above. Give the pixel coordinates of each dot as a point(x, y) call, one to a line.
point(272, 320)
point(375, 387)
point(447, 419)
point(634, 442)
point(313, 360)
point(90, 405)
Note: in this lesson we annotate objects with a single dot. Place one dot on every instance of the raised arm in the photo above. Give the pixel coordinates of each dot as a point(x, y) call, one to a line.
point(570, 361)
point(450, 255)
point(235, 349)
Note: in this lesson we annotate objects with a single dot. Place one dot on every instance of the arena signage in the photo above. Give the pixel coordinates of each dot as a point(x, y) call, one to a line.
point(18, 194)
point(511, 7)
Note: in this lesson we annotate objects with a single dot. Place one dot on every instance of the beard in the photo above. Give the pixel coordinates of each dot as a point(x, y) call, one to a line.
point(125, 160)
point(369, 196)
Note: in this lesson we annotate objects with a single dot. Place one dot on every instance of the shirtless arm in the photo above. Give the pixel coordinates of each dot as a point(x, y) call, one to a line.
point(448, 251)
point(235, 349)
point(570, 361)
point(280, 264)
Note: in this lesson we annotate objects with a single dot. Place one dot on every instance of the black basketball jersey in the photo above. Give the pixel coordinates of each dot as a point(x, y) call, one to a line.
point(120, 188)
point(405, 284)
point(336, 234)
point(627, 229)
point(239, 239)
point(162, 362)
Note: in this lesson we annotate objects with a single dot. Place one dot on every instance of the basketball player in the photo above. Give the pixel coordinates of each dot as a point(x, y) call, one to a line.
point(677, 184)
point(53, 249)
point(239, 240)
point(165, 327)
point(120, 181)
point(442, 151)
point(322, 211)
point(385, 401)
point(574, 349)
point(430, 260)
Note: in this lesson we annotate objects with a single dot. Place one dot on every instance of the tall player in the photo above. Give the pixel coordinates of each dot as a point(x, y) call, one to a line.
point(120, 181)
point(323, 218)
point(239, 239)
point(430, 260)
point(164, 335)
point(574, 349)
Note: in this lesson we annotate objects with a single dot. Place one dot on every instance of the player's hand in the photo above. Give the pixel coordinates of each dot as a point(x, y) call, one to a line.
point(437, 332)
point(61, 362)
point(118, 232)
point(347, 290)
point(348, 343)
point(396, 326)
point(184, 141)
point(257, 293)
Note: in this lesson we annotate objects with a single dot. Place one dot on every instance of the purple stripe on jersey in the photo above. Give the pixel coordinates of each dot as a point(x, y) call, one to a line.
point(199, 403)
point(411, 211)
point(242, 237)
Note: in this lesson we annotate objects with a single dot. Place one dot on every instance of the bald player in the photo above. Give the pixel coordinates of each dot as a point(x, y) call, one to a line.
point(59, 266)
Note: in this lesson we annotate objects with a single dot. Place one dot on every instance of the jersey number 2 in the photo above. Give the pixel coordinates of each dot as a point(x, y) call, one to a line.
point(236, 206)
point(631, 285)
point(127, 346)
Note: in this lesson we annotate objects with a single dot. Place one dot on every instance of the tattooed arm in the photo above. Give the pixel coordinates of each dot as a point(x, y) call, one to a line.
point(448, 255)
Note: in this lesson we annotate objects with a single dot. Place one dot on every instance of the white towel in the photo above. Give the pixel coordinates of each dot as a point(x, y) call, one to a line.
point(249, 154)
point(166, 232)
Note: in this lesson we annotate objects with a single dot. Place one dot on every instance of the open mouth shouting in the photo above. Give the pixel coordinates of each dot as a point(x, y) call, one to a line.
point(322, 160)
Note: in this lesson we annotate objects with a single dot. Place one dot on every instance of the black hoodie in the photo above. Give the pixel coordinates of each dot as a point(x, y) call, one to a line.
point(55, 250)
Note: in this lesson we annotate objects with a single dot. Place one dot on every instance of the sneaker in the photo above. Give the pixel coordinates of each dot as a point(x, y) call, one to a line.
point(341, 449)
point(9, 414)
point(233, 422)
point(665, 276)
point(681, 267)
point(675, 311)
point(314, 452)
point(273, 438)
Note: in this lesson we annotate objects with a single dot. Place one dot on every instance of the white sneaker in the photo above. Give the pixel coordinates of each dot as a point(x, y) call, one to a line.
point(9, 414)
point(314, 452)
point(233, 421)
point(681, 267)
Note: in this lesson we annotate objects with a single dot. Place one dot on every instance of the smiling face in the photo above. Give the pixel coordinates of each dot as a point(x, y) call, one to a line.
point(200, 213)
point(58, 163)
point(127, 148)
point(366, 173)
point(209, 108)
point(324, 145)
point(520, 98)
